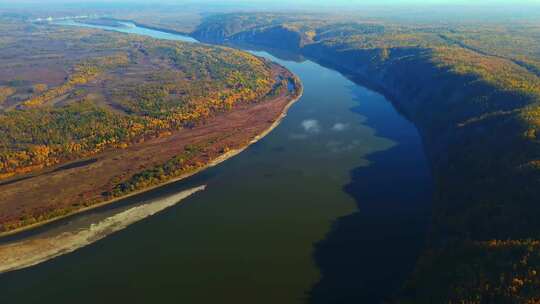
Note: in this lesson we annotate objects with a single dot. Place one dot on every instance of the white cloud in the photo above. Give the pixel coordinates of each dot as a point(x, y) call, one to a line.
point(311, 126)
point(339, 127)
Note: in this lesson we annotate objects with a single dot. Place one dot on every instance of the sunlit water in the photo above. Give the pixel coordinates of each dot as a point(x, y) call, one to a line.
point(340, 188)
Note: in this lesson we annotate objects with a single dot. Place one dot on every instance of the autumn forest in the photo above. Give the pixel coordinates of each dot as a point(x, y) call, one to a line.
point(89, 117)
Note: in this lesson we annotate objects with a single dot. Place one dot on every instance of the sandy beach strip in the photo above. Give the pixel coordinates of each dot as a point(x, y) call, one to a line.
point(30, 252)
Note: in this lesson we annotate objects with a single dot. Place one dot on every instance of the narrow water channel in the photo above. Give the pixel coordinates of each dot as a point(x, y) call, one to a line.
point(331, 207)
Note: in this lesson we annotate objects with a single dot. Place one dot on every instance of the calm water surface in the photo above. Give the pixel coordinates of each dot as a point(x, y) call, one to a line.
point(332, 206)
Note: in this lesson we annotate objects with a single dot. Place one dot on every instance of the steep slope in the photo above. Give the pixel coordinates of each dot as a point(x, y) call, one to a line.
point(478, 114)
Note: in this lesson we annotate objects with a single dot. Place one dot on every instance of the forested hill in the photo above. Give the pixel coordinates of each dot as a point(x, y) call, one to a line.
point(90, 90)
point(474, 93)
point(89, 116)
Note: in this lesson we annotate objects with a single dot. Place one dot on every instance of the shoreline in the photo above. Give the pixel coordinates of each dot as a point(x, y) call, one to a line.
point(30, 252)
point(218, 160)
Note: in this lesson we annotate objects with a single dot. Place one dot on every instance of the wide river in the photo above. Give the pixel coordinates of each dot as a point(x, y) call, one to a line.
point(332, 207)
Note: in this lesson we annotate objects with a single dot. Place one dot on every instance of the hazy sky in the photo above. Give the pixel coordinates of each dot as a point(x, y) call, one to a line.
point(407, 10)
point(486, 9)
point(424, 2)
point(298, 2)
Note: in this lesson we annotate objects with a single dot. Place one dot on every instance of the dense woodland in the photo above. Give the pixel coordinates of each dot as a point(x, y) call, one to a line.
point(112, 91)
point(473, 90)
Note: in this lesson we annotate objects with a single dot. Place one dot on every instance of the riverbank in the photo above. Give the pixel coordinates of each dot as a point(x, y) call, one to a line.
point(26, 253)
point(251, 221)
point(479, 134)
point(239, 129)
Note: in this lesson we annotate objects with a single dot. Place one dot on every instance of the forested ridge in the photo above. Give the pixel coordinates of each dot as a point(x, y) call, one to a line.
point(473, 91)
point(117, 90)
point(88, 117)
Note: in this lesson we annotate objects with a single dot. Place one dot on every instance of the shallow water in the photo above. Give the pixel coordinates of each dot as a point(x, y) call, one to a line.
point(332, 206)
point(32, 251)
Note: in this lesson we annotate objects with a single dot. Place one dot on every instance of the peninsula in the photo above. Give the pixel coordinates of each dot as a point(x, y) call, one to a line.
point(96, 116)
